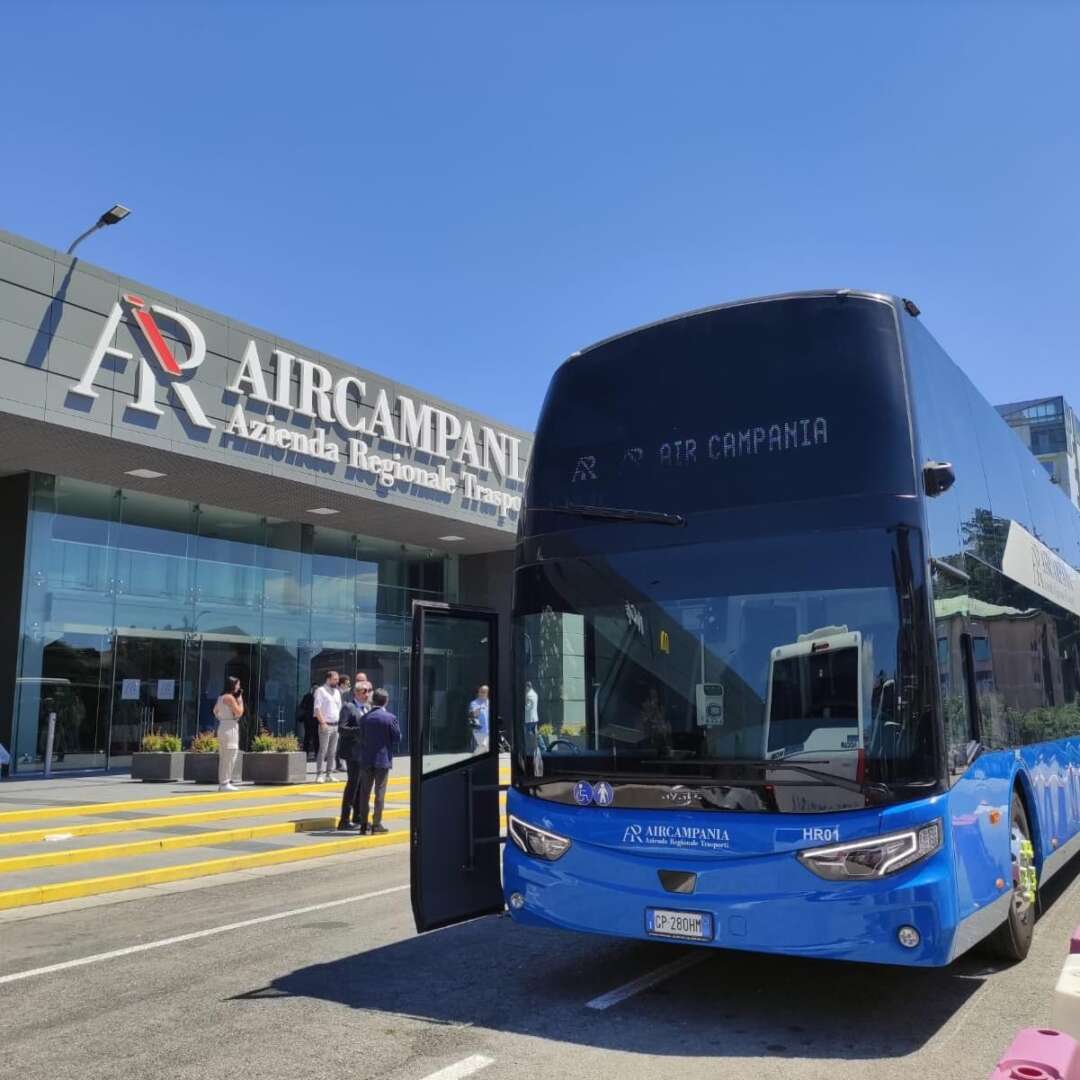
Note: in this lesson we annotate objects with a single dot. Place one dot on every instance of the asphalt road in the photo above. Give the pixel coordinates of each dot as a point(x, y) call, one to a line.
point(349, 990)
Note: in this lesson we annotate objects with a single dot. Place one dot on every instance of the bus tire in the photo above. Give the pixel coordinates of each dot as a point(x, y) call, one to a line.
point(1012, 939)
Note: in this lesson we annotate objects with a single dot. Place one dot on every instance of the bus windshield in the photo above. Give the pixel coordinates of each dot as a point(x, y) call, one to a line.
point(691, 661)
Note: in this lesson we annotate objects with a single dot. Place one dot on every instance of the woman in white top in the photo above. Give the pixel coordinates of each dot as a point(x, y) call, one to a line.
point(227, 712)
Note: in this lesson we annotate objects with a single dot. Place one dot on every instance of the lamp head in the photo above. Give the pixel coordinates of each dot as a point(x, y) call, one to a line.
point(113, 215)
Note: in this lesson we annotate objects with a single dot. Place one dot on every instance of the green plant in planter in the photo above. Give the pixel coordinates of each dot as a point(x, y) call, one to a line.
point(204, 743)
point(263, 743)
point(158, 742)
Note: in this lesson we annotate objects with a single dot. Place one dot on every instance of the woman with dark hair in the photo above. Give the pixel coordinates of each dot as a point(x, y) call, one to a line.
point(228, 709)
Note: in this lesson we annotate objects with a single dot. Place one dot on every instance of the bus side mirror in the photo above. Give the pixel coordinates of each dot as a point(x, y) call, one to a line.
point(938, 476)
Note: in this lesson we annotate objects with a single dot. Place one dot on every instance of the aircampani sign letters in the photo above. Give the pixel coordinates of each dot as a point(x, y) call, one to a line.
point(452, 446)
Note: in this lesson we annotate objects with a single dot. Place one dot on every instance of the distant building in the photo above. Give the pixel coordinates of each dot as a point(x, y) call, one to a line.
point(1049, 430)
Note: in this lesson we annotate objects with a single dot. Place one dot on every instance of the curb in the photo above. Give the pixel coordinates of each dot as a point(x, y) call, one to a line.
point(192, 817)
point(89, 809)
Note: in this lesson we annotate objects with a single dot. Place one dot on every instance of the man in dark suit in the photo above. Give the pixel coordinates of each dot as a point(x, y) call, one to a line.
point(379, 738)
point(353, 712)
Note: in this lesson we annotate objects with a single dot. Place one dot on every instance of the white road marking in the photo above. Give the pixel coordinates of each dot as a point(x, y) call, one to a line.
point(643, 982)
point(131, 950)
point(466, 1067)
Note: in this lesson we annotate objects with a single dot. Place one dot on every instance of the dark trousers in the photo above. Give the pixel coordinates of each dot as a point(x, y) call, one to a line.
point(372, 778)
point(350, 800)
point(311, 735)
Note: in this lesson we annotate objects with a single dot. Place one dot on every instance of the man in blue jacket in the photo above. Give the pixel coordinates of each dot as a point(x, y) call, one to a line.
point(379, 738)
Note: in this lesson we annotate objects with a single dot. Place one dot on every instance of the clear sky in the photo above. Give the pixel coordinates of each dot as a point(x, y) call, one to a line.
point(458, 195)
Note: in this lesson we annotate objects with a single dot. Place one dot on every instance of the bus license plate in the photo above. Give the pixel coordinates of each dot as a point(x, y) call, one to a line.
point(696, 925)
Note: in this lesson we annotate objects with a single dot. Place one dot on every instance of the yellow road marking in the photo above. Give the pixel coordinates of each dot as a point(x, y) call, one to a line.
point(137, 879)
point(194, 817)
point(161, 821)
point(89, 809)
point(163, 843)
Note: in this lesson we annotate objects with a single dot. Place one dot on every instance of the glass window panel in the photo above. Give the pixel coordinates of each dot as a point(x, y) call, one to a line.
point(154, 543)
point(228, 574)
point(456, 675)
point(924, 359)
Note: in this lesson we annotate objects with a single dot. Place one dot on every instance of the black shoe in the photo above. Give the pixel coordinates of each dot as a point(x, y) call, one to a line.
point(378, 829)
point(344, 826)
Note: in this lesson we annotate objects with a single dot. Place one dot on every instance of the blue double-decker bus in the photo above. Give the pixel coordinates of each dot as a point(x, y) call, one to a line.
point(796, 653)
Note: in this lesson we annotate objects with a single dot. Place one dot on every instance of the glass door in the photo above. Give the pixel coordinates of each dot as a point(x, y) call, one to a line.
point(72, 690)
point(147, 681)
point(219, 658)
point(277, 701)
point(454, 780)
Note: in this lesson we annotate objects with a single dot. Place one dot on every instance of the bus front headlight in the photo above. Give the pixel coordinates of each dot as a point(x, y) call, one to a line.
point(875, 856)
point(537, 842)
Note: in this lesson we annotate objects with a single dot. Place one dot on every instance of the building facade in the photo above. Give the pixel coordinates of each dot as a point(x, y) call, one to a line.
point(1048, 429)
point(189, 498)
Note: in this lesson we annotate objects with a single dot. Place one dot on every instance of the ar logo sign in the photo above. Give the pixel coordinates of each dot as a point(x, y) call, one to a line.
point(143, 315)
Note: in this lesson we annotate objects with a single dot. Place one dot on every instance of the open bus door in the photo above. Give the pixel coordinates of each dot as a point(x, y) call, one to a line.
point(455, 853)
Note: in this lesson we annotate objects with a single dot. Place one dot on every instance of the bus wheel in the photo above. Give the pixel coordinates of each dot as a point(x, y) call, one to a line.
point(1012, 939)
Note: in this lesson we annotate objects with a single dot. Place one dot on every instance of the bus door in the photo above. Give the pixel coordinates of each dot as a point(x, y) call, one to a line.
point(455, 851)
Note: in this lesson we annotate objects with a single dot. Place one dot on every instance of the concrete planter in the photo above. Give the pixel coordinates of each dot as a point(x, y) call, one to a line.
point(276, 767)
point(202, 768)
point(157, 766)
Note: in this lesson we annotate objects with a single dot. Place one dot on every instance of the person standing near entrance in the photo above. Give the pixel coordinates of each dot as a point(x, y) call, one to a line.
point(228, 709)
point(307, 727)
point(345, 690)
point(479, 712)
point(379, 738)
point(327, 714)
point(352, 715)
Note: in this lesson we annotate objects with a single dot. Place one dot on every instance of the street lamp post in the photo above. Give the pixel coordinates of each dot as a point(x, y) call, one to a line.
point(110, 217)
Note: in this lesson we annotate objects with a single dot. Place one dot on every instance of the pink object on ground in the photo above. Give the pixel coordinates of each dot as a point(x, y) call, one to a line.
point(1040, 1054)
point(1074, 942)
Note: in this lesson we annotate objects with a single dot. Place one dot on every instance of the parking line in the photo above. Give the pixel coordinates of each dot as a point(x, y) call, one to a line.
point(131, 950)
point(466, 1067)
point(643, 982)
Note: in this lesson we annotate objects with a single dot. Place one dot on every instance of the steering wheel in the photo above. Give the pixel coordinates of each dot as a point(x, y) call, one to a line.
point(561, 742)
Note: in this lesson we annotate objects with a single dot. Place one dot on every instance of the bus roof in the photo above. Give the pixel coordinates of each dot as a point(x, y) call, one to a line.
point(811, 294)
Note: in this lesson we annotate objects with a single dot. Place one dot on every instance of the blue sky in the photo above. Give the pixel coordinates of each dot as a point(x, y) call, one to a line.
point(459, 195)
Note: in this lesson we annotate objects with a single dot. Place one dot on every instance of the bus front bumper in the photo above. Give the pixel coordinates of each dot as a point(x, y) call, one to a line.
point(765, 902)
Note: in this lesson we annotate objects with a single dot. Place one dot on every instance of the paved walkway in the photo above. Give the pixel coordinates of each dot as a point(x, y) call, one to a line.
point(69, 838)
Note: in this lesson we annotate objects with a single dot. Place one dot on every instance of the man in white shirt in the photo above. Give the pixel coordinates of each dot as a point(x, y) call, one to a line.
point(327, 713)
point(532, 716)
point(479, 720)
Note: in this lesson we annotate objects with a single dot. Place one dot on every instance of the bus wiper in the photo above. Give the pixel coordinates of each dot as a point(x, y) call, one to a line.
point(880, 791)
point(877, 790)
point(615, 513)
